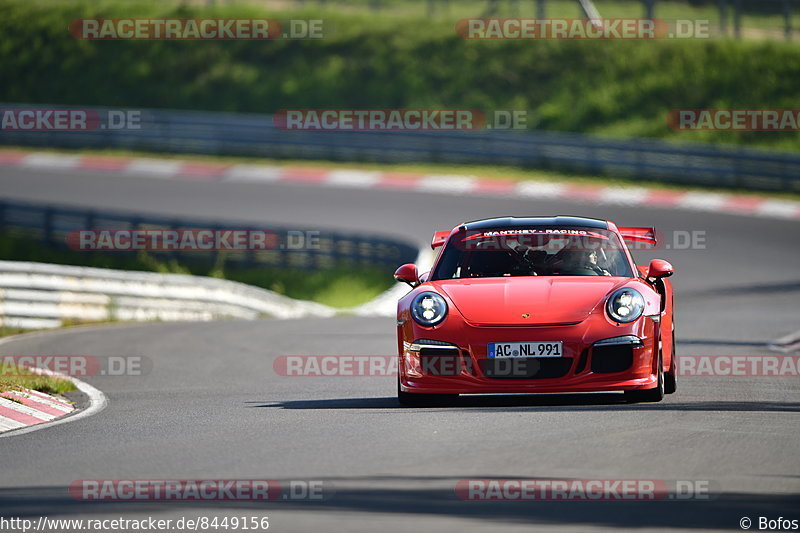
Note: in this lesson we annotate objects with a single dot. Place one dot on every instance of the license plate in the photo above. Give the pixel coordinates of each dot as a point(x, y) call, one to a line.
point(506, 350)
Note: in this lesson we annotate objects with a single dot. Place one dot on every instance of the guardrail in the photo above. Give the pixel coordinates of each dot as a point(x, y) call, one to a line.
point(291, 248)
point(40, 295)
point(256, 135)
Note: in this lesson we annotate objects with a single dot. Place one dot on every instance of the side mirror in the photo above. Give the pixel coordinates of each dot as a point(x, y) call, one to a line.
point(407, 274)
point(659, 269)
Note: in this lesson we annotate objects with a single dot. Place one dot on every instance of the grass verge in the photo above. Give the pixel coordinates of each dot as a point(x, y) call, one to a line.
point(13, 377)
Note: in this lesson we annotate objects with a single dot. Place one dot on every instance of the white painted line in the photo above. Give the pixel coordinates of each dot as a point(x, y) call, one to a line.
point(97, 400)
point(256, 173)
point(540, 189)
point(352, 178)
point(47, 160)
point(624, 195)
point(778, 209)
point(154, 167)
point(444, 183)
point(703, 201)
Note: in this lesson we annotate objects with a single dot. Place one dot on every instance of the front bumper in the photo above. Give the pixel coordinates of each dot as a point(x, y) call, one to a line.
point(455, 360)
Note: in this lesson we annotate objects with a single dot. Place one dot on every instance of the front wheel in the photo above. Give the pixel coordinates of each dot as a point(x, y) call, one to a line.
point(656, 394)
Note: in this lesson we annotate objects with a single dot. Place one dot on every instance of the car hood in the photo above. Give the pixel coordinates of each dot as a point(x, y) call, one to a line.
point(546, 299)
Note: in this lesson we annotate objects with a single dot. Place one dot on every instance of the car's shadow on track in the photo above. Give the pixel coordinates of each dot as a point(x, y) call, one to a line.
point(550, 403)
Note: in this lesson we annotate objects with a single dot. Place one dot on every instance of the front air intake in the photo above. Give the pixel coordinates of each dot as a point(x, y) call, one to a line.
point(612, 358)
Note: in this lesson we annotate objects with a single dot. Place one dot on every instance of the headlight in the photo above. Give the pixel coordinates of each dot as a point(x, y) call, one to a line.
point(625, 305)
point(428, 308)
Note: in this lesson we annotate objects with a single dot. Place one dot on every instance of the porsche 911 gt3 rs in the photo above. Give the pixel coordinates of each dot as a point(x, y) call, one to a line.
point(536, 304)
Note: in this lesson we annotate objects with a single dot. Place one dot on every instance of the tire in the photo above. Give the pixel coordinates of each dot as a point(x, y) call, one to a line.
point(656, 394)
point(412, 399)
point(670, 383)
point(670, 379)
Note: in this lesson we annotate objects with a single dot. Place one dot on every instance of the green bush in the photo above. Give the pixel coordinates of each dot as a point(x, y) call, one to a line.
point(620, 88)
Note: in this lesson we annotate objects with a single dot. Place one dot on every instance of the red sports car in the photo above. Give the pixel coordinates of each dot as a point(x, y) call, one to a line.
point(538, 304)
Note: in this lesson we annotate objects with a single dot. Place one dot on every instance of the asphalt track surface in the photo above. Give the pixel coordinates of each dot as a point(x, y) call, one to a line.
point(212, 407)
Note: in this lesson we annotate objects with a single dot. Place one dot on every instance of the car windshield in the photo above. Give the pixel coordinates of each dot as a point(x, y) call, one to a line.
point(552, 251)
